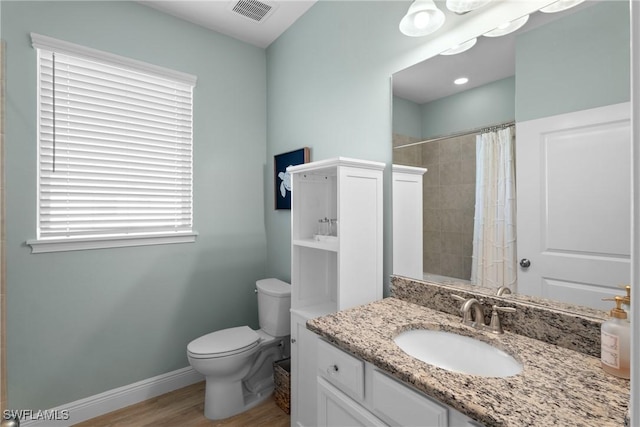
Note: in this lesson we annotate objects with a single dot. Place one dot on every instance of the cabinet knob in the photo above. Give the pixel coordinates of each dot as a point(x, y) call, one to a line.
point(293, 340)
point(332, 369)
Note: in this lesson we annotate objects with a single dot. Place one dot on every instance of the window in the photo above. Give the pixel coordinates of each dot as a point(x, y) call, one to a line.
point(114, 150)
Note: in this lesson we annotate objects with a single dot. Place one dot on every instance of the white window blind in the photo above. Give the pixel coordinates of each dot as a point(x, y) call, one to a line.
point(114, 146)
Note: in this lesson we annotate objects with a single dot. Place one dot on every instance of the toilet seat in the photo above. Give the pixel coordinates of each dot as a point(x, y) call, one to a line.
point(226, 342)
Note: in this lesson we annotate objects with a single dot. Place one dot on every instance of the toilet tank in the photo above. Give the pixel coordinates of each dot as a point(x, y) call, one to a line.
point(274, 302)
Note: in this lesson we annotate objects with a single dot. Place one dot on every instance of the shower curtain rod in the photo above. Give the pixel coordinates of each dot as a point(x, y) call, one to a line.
point(455, 135)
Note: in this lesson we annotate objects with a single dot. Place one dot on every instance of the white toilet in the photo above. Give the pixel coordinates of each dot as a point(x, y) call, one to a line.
point(238, 362)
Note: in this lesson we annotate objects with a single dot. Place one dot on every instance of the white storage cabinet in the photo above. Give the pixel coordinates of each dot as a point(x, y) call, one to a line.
point(355, 393)
point(331, 273)
point(407, 194)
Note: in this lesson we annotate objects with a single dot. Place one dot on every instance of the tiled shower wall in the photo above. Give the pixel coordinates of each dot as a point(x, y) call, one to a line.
point(449, 200)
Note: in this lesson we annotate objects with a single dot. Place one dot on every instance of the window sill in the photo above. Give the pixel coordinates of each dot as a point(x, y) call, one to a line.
point(81, 244)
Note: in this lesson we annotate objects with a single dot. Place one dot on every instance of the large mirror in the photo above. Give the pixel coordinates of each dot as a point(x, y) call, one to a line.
point(560, 86)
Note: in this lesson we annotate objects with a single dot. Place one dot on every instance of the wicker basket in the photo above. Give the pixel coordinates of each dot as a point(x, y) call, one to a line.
point(282, 380)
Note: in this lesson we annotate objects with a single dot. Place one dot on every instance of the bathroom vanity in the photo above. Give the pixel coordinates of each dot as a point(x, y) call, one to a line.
point(354, 392)
point(557, 385)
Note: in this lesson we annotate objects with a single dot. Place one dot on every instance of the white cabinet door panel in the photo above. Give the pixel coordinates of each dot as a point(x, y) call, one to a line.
point(337, 409)
point(303, 373)
point(398, 405)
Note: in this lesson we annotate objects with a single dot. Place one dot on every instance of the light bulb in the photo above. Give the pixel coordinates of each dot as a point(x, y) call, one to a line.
point(421, 20)
point(461, 80)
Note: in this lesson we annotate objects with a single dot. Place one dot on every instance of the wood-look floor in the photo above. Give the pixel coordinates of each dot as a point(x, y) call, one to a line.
point(185, 408)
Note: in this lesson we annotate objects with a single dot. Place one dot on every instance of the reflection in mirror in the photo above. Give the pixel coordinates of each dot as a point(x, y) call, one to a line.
point(571, 183)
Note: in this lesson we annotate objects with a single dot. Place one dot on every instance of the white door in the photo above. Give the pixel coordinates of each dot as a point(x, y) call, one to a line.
point(573, 179)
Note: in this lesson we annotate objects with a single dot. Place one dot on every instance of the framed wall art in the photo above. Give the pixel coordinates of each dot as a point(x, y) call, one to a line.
point(281, 178)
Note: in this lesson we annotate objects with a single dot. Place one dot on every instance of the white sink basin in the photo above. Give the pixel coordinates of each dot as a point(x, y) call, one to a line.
point(457, 353)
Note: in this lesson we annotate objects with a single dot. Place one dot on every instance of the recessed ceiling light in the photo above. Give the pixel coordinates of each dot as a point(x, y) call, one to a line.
point(461, 80)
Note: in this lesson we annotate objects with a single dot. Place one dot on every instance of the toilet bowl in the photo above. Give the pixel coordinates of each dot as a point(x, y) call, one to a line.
point(237, 362)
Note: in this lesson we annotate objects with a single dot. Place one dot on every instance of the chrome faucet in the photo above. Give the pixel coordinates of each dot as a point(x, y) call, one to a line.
point(496, 326)
point(478, 313)
point(477, 320)
point(503, 290)
point(469, 305)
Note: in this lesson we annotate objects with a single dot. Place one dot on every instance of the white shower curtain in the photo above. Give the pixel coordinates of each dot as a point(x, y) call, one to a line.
point(494, 237)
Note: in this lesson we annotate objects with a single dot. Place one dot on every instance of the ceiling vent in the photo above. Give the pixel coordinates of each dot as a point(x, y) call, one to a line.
point(253, 9)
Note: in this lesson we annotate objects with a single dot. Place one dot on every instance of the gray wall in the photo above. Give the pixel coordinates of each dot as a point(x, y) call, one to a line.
point(573, 64)
point(468, 110)
point(407, 118)
point(80, 323)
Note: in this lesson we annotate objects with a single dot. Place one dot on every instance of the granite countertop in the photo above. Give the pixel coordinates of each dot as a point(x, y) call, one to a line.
point(557, 386)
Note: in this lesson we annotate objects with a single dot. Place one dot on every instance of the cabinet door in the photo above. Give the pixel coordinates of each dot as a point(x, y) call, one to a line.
point(337, 409)
point(303, 373)
point(407, 214)
point(397, 404)
point(295, 361)
point(360, 233)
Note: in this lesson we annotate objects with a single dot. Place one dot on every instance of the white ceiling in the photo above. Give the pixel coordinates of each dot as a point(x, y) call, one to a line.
point(218, 15)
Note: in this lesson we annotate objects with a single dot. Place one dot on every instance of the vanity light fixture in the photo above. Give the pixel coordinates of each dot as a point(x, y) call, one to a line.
point(462, 47)
point(560, 5)
point(463, 6)
point(422, 18)
point(461, 80)
point(508, 27)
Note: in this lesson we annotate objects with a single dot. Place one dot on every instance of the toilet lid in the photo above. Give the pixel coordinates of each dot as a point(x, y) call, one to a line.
point(274, 288)
point(224, 342)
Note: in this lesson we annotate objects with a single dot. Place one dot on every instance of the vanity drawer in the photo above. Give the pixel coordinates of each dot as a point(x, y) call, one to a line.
point(341, 369)
point(397, 404)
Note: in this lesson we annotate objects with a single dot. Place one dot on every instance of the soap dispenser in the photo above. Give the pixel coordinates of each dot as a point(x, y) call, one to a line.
point(626, 302)
point(615, 337)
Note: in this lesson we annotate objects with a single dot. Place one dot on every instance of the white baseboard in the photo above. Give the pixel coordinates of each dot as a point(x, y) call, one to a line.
point(100, 404)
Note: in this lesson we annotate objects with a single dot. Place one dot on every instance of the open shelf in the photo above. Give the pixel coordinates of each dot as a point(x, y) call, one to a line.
point(310, 242)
